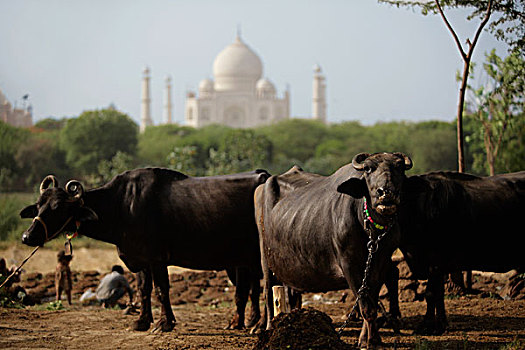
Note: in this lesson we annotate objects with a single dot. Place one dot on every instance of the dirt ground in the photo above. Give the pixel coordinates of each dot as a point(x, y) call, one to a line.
point(476, 322)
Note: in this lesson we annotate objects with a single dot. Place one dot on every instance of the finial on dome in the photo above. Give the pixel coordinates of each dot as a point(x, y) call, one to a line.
point(238, 36)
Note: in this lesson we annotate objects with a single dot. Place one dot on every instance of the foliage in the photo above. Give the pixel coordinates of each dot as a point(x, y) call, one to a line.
point(49, 124)
point(432, 146)
point(10, 139)
point(108, 169)
point(218, 149)
point(295, 138)
point(157, 141)
point(508, 23)
point(184, 160)
point(6, 300)
point(55, 305)
point(39, 157)
point(95, 136)
point(239, 150)
point(498, 108)
point(514, 345)
point(10, 222)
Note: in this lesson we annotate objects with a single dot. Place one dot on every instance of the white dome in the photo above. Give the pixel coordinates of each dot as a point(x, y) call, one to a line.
point(206, 85)
point(265, 85)
point(265, 88)
point(236, 67)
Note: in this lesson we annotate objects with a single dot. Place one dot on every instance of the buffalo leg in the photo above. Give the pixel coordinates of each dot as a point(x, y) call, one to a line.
point(435, 320)
point(369, 333)
point(393, 318)
point(242, 289)
point(255, 291)
point(392, 285)
point(162, 287)
point(268, 281)
point(145, 286)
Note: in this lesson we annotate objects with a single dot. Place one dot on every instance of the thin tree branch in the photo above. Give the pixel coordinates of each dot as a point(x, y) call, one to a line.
point(456, 39)
point(480, 28)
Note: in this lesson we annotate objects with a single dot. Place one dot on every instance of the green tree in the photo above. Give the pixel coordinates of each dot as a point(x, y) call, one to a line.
point(37, 158)
point(436, 7)
point(11, 138)
point(239, 150)
point(294, 139)
point(95, 136)
point(499, 109)
point(432, 146)
point(108, 169)
point(51, 124)
point(157, 141)
point(184, 160)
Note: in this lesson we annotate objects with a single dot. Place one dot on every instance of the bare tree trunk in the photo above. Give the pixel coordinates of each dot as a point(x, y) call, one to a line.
point(466, 59)
point(459, 115)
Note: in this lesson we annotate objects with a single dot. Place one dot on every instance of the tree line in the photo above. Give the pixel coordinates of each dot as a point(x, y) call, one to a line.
point(98, 145)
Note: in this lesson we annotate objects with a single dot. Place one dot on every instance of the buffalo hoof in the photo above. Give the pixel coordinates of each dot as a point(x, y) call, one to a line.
point(141, 325)
point(259, 327)
point(165, 325)
point(372, 344)
point(252, 320)
point(235, 323)
point(390, 321)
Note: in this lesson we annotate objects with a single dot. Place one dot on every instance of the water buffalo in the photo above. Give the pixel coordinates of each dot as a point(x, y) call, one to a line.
point(158, 217)
point(314, 232)
point(452, 222)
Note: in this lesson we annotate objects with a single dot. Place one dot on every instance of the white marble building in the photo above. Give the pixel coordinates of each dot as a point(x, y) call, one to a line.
point(20, 117)
point(237, 96)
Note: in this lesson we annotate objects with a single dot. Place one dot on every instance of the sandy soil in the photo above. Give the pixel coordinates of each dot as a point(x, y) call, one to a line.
point(475, 322)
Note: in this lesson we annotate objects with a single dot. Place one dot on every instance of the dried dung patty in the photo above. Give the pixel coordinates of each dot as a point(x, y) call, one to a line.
point(302, 329)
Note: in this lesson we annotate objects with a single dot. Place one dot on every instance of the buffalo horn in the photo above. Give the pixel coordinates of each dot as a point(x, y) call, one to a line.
point(408, 161)
point(357, 162)
point(49, 179)
point(75, 189)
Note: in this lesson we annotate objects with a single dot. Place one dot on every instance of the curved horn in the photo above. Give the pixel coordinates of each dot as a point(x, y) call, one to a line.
point(357, 161)
point(75, 188)
point(408, 161)
point(49, 179)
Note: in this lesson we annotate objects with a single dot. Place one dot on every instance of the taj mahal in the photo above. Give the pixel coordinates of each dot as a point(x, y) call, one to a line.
point(238, 96)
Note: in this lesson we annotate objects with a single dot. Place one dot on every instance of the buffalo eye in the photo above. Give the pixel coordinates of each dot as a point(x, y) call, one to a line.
point(367, 169)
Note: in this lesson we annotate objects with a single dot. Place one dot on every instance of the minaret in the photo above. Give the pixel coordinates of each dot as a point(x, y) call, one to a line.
point(287, 100)
point(319, 95)
point(167, 101)
point(145, 114)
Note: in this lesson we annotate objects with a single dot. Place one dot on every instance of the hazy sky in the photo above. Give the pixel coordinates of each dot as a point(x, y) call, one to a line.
point(380, 62)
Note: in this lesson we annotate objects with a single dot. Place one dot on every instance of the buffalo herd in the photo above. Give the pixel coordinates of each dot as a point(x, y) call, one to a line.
point(306, 231)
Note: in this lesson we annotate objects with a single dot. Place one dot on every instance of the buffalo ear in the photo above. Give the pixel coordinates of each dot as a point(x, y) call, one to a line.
point(85, 214)
point(355, 187)
point(29, 212)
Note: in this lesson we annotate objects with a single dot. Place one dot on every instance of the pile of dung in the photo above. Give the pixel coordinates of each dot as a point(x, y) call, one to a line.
point(302, 329)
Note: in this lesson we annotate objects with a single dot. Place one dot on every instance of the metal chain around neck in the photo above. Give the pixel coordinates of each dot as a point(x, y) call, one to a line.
point(372, 247)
